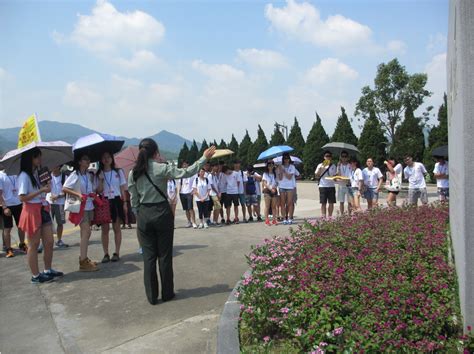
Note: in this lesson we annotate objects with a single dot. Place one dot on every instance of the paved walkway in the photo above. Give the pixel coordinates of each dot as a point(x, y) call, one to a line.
point(107, 311)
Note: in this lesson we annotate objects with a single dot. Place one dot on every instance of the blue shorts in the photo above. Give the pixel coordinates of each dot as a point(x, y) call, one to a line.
point(251, 199)
point(371, 194)
point(242, 199)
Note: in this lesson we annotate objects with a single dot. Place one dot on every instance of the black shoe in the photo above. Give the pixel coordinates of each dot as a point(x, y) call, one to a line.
point(115, 257)
point(106, 259)
point(227, 222)
point(222, 221)
point(168, 298)
point(153, 302)
point(250, 219)
point(259, 218)
point(53, 273)
point(42, 278)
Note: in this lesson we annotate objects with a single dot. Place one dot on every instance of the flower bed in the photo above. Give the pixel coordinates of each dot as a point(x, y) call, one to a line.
point(379, 281)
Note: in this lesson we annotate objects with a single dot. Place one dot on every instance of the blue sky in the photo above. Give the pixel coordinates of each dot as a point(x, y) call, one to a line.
point(207, 69)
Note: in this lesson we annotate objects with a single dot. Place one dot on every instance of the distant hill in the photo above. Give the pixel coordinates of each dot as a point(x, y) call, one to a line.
point(170, 144)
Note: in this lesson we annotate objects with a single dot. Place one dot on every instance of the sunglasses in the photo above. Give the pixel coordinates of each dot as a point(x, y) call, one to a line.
point(328, 156)
point(344, 156)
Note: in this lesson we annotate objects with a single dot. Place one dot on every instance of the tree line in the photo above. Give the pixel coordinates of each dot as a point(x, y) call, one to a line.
point(389, 126)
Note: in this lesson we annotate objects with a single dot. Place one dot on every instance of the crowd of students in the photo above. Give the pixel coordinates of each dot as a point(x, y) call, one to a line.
point(223, 194)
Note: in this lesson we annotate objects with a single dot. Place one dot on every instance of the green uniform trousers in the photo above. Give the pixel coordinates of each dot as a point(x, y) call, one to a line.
point(155, 223)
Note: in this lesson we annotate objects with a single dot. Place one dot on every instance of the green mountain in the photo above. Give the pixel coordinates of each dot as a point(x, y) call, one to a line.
point(169, 143)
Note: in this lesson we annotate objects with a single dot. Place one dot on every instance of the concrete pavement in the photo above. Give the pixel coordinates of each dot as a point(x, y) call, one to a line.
point(107, 311)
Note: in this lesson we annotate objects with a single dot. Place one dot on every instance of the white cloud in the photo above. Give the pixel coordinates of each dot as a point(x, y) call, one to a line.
point(140, 59)
point(437, 43)
point(436, 71)
point(330, 70)
point(303, 21)
point(81, 96)
point(125, 84)
point(108, 30)
point(397, 46)
point(165, 92)
point(262, 58)
point(218, 72)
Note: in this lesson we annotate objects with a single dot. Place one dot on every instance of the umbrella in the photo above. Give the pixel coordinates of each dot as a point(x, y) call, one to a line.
point(440, 151)
point(259, 165)
point(337, 148)
point(222, 153)
point(126, 159)
point(94, 145)
point(296, 160)
point(53, 153)
point(274, 151)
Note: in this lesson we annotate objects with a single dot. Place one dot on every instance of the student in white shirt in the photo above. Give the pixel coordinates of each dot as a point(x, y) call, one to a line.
point(233, 181)
point(201, 190)
point(81, 184)
point(242, 178)
point(215, 194)
point(327, 188)
point(344, 169)
point(11, 210)
point(394, 180)
point(172, 195)
point(186, 197)
point(57, 204)
point(222, 189)
point(415, 174)
point(35, 219)
point(356, 177)
point(441, 173)
point(286, 186)
point(270, 192)
point(112, 185)
point(371, 182)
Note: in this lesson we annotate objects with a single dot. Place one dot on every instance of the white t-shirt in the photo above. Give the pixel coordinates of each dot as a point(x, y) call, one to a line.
point(257, 184)
point(25, 187)
point(287, 183)
point(270, 180)
point(345, 170)
point(202, 186)
point(113, 180)
point(57, 189)
point(9, 188)
point(444, 170)
point(214, 181)
point(323, 182)
point(243, 179)
point(171, 189)
point(232, 185)
point(356, 176)
point(186, 186)
point(222, 183)
point(371, 177)
point(87, 184)
point(415, 175)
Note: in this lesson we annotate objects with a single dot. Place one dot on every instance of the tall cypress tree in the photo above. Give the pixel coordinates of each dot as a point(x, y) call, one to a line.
point(372, 142)
point(343, 132)
point(277, 137)
point(244, 148)
point(183, 154)
point(312, 152)
point(234, 145)
point(204, 146)
point(409, 138)
point(260, 145)
point(295, 139)
point(193, 153)
point(222, 145)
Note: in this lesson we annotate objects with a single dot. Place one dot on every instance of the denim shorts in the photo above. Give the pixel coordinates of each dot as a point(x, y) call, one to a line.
point(371, 194)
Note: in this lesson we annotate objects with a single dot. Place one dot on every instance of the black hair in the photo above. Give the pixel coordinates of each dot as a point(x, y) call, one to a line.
point(327, 152)
point(101, 165)
point(213, 163)
point(354, 159)
point(26, 164)
point(344, 152)
point(146, 150)
point(286, 155)
point(250, 168)
point(237, 161)
point(270, 162)
point(225, 168)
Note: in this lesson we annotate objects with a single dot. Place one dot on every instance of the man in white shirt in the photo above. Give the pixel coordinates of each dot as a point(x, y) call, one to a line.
point(441, 173)
point(344, 169)
point(327, 188)
point(186, 197)
point(371, 183)
point(415, 173)
point(242, 183)
point(57, 200)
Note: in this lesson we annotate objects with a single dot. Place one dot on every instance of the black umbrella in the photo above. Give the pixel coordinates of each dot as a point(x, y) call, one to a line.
point(96, 144)
point(440, 151)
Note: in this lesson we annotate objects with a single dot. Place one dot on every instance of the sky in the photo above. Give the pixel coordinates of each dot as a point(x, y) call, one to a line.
point(208, 69)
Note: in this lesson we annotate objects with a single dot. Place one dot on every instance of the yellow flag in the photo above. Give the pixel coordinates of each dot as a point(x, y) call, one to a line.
point(29, 132)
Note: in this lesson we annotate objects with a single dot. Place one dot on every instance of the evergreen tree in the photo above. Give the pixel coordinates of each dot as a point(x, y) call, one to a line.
point(409, 138)
point(214, 143)
point(296, 140)
point(234, 145)
point(204, 146)
point(438, 136)
point(244, 148)
point(260, 145)
point(193, 153)
point(372, 142)
point(343, 132)
point(312, 152)
point(183, 154)
point(277, 137)
point(222, 145)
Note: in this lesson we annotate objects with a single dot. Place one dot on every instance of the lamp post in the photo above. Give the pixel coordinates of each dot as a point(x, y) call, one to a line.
point(284, 128)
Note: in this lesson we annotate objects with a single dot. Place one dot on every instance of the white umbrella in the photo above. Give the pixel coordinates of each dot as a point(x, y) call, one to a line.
point(336, 148)
point(53, 153)
point(296, 160)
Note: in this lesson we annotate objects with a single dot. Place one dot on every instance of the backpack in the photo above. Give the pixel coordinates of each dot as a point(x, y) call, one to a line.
point(250, 188)
point(197, 180)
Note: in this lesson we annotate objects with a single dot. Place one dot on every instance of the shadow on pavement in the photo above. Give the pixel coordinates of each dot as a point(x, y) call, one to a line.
point(106, 271)
point(182, 294)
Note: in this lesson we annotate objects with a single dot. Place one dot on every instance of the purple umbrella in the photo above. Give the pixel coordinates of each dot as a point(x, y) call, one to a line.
point(94, 145)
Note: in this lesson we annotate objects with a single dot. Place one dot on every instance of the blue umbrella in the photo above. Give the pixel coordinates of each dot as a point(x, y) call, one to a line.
point(94, 145)
point(274, 151)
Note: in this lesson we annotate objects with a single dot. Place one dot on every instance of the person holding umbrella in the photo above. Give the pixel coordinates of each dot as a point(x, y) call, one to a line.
point(146, 183)
point(35, 219)
point(286, 186)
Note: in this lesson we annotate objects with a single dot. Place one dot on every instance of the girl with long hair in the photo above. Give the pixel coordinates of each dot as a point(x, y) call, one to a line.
point(80, 184)
point(270, 192)
point(286, 186)
point(112, 184)
point(147, 184)
point(35, 219)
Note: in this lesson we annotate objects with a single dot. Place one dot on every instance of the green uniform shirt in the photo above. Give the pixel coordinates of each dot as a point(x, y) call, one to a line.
point(142, 191)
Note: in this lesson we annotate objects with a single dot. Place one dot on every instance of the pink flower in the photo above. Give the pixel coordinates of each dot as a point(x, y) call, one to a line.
point(285, 310)
point(269, 285)
point(266, 339)
point(299, 332)
point(338, 331)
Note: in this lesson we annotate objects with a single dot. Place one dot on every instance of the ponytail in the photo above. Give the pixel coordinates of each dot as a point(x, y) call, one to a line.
point(146, 150)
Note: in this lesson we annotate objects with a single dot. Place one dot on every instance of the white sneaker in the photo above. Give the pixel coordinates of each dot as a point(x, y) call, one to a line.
point(195, 226)
point(206, 226)
point(290, 221)
point(189, 224)
point(200, 226)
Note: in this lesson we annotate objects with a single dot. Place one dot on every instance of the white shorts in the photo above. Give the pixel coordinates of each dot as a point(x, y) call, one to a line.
point(342, 192)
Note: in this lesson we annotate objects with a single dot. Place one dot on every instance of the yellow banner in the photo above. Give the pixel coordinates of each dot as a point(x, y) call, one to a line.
point(29, 132)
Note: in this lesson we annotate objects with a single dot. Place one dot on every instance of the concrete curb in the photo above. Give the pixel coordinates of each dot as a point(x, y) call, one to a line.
point(228, 328)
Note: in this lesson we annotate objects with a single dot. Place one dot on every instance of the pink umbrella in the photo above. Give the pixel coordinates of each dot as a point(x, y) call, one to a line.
point(126, 159)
